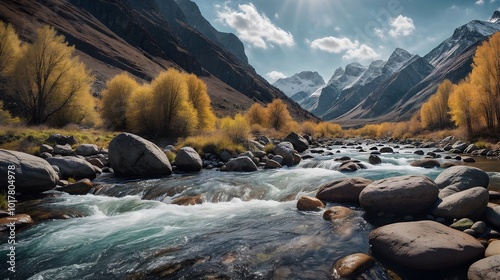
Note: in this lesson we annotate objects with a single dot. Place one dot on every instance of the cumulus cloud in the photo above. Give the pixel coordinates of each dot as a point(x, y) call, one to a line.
point(333, 44)
point(479, 2)
point(253, 27)
point(363, 52)
point(401, 26)
point(275, 75)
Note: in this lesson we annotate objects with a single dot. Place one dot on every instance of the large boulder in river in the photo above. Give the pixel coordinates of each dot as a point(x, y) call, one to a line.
point(187, 159)
point(299, 143)
point(286, 150)
point(485, 269)
point(241, 164)
point(400, 195)
point(425, 245)
point(469, 203)
point(133, 156)
point(32, 174)
point(462, 177)
point(73, 167)
point(343, 190)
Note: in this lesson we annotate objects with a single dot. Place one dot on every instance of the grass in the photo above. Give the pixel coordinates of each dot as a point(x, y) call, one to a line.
point(28, 139)
point(3, 200)
point(213, 143)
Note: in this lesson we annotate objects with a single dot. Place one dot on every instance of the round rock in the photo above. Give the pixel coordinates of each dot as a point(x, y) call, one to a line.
point(485, 269)
point(425, 245)
point(351, 266)
point(187, 159)
point(469, 203)
point(336, 212)
point(306, 203)
point(463, 177)
point(343, 190)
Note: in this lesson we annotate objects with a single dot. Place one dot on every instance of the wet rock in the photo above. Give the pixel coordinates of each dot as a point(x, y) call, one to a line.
point(73, 167)
point(32, 174)
point(285, 149)
point(299, 143)
point(388, 150)
point(272, 164)
point(189, 200)
point(187, 159)
point(63, 150)
point(448, 164)
point(425, 245)
point(485, 269)
point(87, 150)
point(463, 177)
point(133, 156)
point(19, 220)
point(471, 148)
point(493, 249)
point(468, 159)
point(336, 213)
point(348, 167)
point(306, 203)
point(419, 152)
point(374, 159)
point(469, 203)
point(343, 190)
point(426, 163)
point(460, 146)
point(78, 188)
point(400, 195)
point(462, 224)
point(351, 266)
point(241, 164)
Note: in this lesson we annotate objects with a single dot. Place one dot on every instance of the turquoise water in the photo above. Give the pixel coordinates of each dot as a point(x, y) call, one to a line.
point(247, 228)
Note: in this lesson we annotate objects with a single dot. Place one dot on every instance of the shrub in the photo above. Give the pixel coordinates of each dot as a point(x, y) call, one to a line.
point(278, 116)
point(198, 96)
point(256, 115)
point(9, 48)
point(236, 129)
point(115, 98)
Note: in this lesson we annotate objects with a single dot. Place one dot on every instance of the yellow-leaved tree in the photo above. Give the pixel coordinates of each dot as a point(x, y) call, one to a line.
point(236, 129)
point(434, 113)
point(460, 102)
point(171, 111)
point(139, 106)
point(10, 47)
point(278, 116)
point(256, 115)
point(115, 100)
point(198, 96)
point(50, 84)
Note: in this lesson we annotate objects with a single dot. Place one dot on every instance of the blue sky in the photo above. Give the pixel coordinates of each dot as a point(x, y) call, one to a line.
point(284, 37)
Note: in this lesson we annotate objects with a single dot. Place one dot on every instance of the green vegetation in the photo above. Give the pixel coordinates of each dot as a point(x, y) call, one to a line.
point(3, 200)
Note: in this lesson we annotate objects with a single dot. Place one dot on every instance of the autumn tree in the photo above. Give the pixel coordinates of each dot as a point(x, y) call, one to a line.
point(171, 111)
point(198, 96)
point(485, 76)
point(460, 102)
point(256, 114)
point(237, 129)
point(434, 113)
point(9, 47)
point(51, 84)
point(138, 114)
point(277, 115)
point(115, 98)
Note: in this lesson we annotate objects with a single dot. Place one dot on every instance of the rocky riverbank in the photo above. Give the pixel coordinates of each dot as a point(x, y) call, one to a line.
point(418, 220)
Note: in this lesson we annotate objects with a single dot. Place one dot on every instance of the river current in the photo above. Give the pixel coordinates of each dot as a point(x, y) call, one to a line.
point(247, 228)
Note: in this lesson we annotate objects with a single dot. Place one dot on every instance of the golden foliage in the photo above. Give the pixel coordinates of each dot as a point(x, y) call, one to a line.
point(212, 142)
point(138, 110)
point(5, 116)
point(50, 84)
point(277, 115)
point(434, 113)
point(257, 114)
point(9, 47)
point(460, 102)
point(197, 91)
point(236, 129)
point(115, 99)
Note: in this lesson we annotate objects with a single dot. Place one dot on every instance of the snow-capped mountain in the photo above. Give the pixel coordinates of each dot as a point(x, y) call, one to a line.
point(496, 17)
point(303, 83)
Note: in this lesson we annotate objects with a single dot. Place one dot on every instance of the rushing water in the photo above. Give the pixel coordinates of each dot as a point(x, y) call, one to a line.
point(247, 228)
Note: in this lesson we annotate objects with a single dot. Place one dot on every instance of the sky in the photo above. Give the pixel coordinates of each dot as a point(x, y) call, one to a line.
point(285, 37)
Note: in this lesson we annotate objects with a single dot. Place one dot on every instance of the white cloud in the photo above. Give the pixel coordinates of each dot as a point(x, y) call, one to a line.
point(479, 2)
point(401, 26)
point(363, 52)
point(334, 45)
point(253, 27)
point(379, 32)
point(275, 75)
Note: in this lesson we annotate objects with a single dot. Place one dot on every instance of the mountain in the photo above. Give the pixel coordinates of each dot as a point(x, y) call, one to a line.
point(404, 84)
point(303, 82)
point(144, 37)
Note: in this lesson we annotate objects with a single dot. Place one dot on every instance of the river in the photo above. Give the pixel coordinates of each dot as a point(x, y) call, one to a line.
point(247, 228)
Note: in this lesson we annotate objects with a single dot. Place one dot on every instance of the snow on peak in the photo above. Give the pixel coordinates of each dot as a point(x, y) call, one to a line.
point(397, 59)
point(306, 81)
point(496, 17)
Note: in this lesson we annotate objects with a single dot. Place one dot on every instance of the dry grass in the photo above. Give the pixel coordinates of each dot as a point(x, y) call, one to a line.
point(213, 143)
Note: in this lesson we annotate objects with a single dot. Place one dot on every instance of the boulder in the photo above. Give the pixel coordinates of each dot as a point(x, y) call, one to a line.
point(485, 269)
point(387, 150)
point(272, 164)
point(479, 227)
point(343, 190)
point(81, 187)
point(189, 200)
point(241, 164)
point(63, 150)
point(45, 149)
point(471, 148)
point(73, 167)
point(299, 143)
point(425, 245)
point(426, 163)
point(374, 159)
point(32, 174)
point(460, 146)
point(468, 159)
point(96, 162)
point(225, 156)
point(419, 152)
point(351, 266)
point(469, 203)
point(336, 213)
point(187, 159)
point(306, 203)
point(403, 195)
point(493, 249)
point(285, 149)
point(20, 220)
point(463, 177)
point(62, 140)
point(133, 156)
point(492, 215)
point(87, 150)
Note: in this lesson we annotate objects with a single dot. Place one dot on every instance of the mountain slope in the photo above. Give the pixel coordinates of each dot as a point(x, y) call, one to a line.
point(112, 36)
